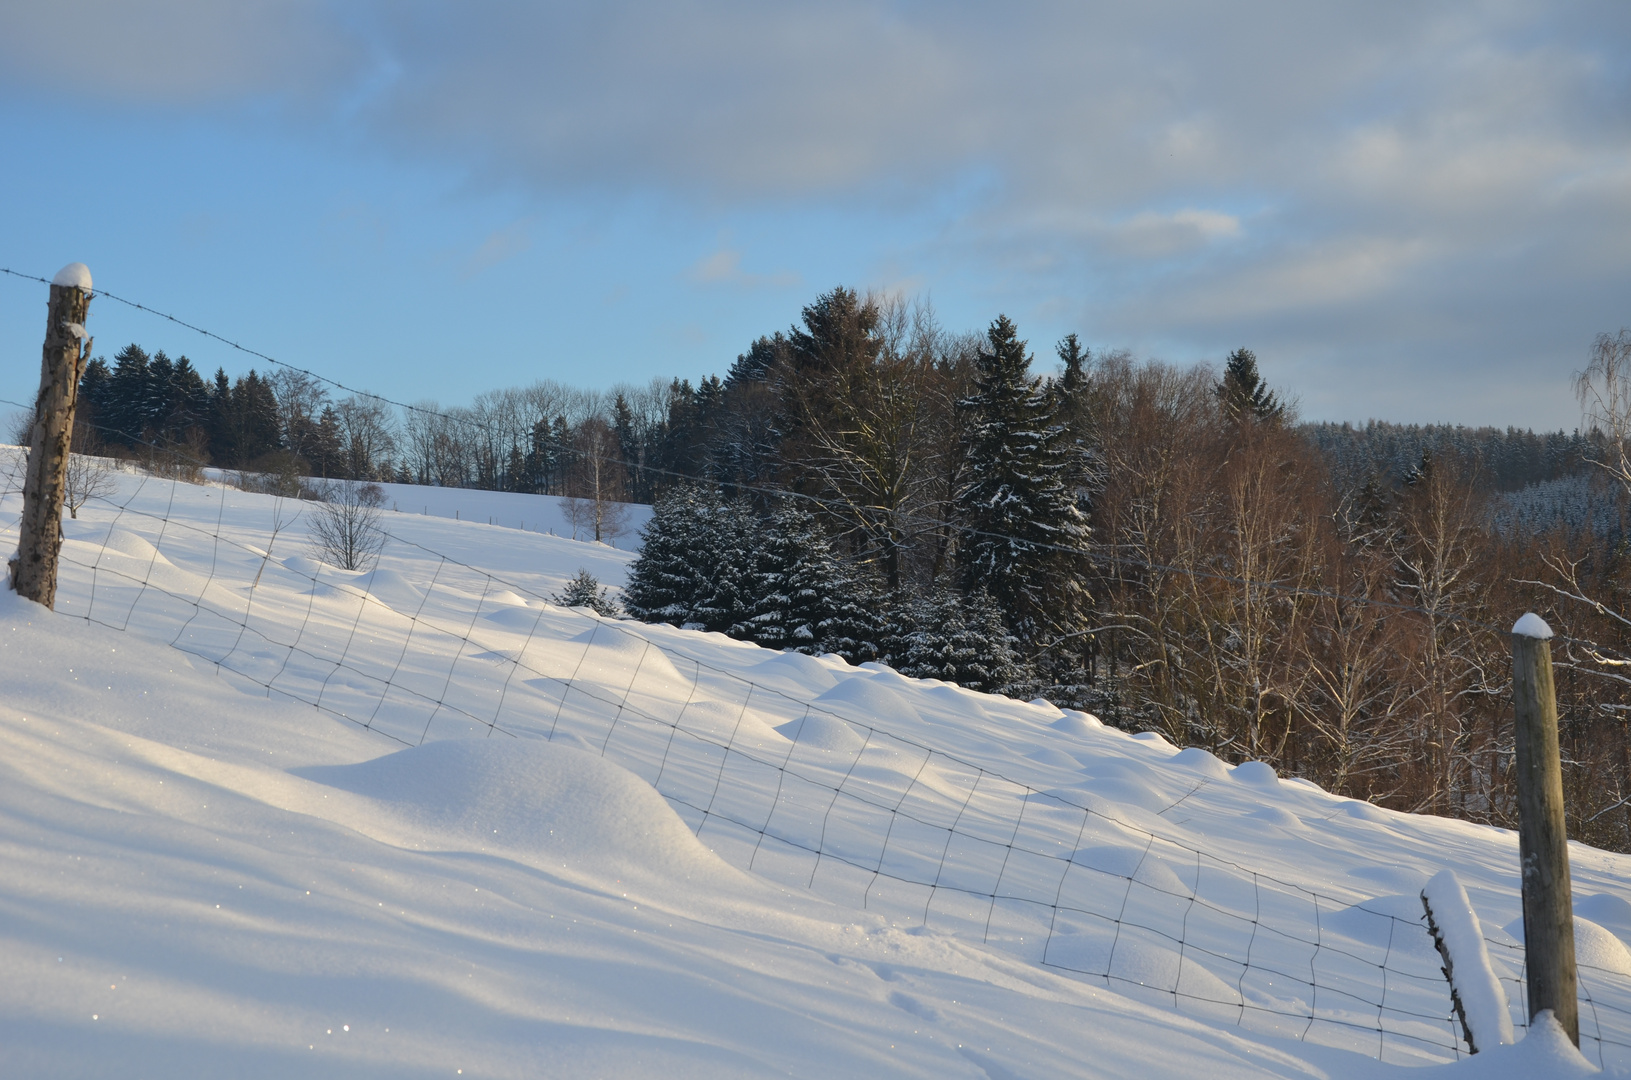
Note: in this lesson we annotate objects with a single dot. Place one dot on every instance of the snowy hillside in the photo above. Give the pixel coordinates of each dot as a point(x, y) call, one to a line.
point(531, 513)
point(262, 817)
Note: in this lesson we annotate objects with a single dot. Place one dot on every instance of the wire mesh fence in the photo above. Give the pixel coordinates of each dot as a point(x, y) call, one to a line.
point(1605, 1019)
point(791, 788)
point(801, 791)
point(798, 790)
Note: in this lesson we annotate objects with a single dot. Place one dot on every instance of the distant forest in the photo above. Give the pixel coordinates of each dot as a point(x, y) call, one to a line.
point(1167, 546)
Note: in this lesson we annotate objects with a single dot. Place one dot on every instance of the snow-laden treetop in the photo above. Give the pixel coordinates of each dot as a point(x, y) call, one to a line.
point(1532, 625)
point(75, 274)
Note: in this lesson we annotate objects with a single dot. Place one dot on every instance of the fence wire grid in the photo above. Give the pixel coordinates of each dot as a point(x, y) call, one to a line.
point(802, 792)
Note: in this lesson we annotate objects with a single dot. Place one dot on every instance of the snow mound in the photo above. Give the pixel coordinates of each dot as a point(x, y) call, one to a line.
point(1077, 723)
point(1606, 910)
point(609, 656)
point(1594, 946)
point(1131, 862)
point(800, 670)
point(539, 803)
point(393, 589)
point(1201, 761)
point(1154, 739)
point(1364, 811)
point(869, 701)
point(1047, 755)
point(1133, 961)
point(1598, 947)
point(1544, 1052)
point(120, 542)
point(1125, 784)
point(1256, 773)
point(1274, 815)
point(820, 731)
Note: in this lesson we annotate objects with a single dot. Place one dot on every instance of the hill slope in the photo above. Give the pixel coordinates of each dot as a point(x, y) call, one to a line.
point(515, 840)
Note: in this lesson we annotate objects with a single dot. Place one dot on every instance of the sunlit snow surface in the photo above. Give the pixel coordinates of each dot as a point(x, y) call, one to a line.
point(516, 840)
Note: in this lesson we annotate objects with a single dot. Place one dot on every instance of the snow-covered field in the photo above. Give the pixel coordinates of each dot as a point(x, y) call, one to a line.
point(517, 840)
point(532, 513)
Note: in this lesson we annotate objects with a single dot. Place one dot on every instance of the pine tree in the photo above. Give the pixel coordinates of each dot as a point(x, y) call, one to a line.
point(159, 392)
point(93, 397)
point(125, 414)
point(1024, 536)
point(942, 635)
point(790, 585)
point(584, 590)
point(1243, 393)
point(256, 406)
point(804, 597)
point(665, 583)
point(515, 470)
point(730, 546)
point(324, 447)
point(696, 563)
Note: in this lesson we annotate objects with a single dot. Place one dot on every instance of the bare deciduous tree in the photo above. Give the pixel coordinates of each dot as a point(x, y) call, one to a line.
point(89, 477)
point(594, 498)
point(345, 526)
point(367, 437)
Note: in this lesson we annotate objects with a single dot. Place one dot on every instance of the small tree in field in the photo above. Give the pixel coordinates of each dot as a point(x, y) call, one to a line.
point(584, 590)
point(345, 528)
point(90, 476)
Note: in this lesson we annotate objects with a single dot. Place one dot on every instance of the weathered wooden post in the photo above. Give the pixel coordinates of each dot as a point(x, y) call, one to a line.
point(1543, 840)
point(67, 347)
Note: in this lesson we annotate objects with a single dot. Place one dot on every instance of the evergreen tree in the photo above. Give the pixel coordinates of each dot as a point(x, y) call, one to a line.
point(665, 582)
point(515, 470)
point(754, 365)
point(125, 414)
point(804, 598)
point(583, 590)
point(696, 563)
point(325, 449)
point(1073, 358)
point(1243, 393)
point(218, 419)
point(188, 404)
point(730, 551)
point(93, 397)
point(158, 393)
point(543, 458)
point(941, 635)
point(1024, 536)
point(253, 419)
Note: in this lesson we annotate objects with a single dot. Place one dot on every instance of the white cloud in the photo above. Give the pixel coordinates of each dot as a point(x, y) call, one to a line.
point(1148, 234)
point(724, 267)
point(1459, 170)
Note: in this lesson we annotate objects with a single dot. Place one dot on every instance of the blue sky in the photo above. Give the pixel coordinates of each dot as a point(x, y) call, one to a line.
point(1414, 212)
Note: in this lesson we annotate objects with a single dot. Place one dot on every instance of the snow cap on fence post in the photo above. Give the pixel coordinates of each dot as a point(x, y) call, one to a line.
point(1532, 626)
point(75, 276)
point(1543, 837)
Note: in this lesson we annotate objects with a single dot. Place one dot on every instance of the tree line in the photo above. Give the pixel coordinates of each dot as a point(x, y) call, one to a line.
point(1164, 545)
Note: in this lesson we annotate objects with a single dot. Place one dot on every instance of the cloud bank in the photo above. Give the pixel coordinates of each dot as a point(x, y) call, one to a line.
point(1373, 189)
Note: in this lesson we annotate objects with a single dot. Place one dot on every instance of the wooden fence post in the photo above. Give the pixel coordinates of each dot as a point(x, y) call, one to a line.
point(1543, 840)
point(67, 347)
